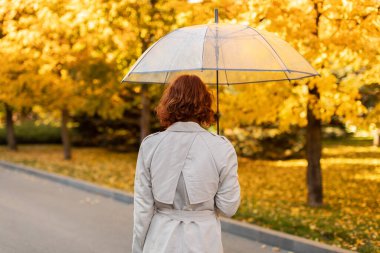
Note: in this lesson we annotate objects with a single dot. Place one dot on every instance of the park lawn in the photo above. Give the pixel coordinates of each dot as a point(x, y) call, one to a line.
point(273, 192)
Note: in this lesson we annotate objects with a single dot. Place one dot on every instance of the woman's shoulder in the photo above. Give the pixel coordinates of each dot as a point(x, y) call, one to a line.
point(219, 145)
point(217, 139)
point(152, 137)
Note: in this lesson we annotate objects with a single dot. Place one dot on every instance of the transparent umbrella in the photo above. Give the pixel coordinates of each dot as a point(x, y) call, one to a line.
point(220, 54)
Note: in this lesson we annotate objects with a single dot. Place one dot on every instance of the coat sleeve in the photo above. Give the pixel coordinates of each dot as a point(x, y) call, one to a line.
point(143, 203)
point(227, 199)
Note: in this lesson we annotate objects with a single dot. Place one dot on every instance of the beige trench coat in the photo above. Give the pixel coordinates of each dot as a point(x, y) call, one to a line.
point(185, 178)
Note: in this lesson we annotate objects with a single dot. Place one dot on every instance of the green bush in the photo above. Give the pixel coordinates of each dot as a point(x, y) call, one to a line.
point(267, 142)
point(27, 132)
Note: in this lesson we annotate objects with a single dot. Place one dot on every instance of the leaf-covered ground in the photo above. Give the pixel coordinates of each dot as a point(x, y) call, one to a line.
point(273, 192)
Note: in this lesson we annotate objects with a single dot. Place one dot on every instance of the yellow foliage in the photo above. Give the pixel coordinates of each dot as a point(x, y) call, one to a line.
point(52, 44)
point(341, 40)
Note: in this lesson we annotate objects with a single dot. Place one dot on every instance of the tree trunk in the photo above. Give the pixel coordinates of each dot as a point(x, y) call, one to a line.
point(145, 102)
point(11, 138)
point(376, 137)
point(65, 134)
point(145, 113)
point(313, 151)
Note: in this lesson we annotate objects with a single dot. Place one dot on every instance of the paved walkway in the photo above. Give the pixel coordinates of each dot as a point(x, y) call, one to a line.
point(38, 216)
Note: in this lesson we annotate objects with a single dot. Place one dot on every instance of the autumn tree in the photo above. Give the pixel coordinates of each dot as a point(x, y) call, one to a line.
point(67, 62)
point(80, 50)
point(151, 20)
point(19, 61)
point(340, 41)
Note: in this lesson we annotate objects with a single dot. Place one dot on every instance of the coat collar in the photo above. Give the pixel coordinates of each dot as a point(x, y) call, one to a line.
point(185, 126)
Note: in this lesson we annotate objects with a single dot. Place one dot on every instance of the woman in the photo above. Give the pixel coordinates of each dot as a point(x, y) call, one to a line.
point(185, 176)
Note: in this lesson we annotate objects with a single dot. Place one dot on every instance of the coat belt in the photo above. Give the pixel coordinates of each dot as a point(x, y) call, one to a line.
point(184, 215)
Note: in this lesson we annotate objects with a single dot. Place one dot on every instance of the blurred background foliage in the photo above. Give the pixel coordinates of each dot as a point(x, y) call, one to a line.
point(62, 62)
point(61, 66)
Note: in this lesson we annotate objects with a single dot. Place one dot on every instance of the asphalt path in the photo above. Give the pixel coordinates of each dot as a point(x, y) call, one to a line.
point(41, 216)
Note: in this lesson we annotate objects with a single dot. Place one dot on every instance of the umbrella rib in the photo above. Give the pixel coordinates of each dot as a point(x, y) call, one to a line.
point(203, 49)
point(232, 32)
point(274, 52)
point(166, 76)
point(225, 71)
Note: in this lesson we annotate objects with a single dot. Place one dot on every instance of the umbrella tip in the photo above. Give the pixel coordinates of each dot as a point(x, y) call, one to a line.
point(216, 15)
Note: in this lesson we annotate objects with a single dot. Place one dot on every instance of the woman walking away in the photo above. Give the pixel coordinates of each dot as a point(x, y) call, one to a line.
point(185, 176)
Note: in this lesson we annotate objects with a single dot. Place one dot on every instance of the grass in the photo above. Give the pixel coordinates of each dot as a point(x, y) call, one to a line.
point(273, 192)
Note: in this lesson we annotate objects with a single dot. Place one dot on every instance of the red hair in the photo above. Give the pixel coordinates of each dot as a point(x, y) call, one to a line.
point(186, 98)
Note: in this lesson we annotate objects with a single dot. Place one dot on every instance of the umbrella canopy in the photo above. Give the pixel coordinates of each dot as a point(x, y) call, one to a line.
point(220, 54)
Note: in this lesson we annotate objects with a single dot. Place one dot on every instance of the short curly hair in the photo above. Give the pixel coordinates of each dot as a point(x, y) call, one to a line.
point(186, 98)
